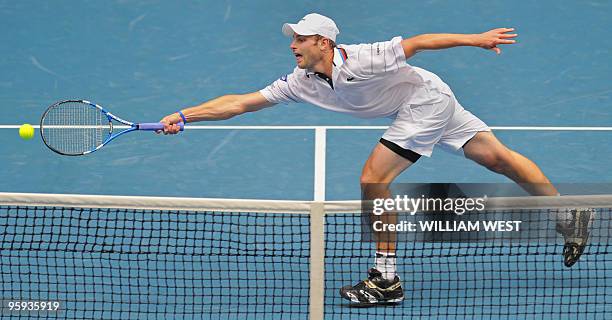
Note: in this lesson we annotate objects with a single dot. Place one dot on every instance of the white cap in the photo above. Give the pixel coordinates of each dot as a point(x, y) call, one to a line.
point(311, 24)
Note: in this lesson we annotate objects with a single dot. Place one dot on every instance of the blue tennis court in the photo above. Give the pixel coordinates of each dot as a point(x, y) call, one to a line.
point(548, 97)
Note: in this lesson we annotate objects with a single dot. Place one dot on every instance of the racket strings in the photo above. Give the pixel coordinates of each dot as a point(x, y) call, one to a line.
point(74, 127)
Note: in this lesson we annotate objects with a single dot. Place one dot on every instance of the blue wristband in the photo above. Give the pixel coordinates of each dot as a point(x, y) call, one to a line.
point(182, 116)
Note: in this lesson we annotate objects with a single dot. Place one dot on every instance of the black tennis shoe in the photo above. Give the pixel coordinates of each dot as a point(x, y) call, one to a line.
point(375, 290)
point(576, 235)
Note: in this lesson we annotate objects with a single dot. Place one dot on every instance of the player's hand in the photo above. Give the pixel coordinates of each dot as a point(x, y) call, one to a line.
point(170, 124)
point(491, 39)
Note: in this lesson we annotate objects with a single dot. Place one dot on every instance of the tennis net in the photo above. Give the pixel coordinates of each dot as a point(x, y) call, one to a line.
point(112, 257)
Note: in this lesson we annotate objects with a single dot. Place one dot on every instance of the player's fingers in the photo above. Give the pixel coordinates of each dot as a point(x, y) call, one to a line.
point(502, 31)
point(508, 35)
point(496, 50)
point(160, 131)
point(167, 128)
point(174, 129)
point(506, 41)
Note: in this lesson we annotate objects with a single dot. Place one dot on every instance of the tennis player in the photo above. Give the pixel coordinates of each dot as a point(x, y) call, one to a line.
point(373, 81)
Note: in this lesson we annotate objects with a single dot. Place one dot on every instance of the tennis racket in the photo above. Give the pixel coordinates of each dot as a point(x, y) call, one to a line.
point(80, 127)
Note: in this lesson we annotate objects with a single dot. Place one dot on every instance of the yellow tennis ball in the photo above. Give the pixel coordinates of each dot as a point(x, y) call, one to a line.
point(26, 132)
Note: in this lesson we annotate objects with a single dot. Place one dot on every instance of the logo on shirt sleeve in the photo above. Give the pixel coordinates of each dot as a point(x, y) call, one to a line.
point(284, 78)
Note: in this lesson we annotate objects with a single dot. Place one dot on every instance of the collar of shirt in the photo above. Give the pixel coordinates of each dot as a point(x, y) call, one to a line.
point(337, 62)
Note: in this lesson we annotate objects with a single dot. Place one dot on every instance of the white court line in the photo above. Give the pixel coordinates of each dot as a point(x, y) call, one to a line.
point(319, 165)
point(506, 128)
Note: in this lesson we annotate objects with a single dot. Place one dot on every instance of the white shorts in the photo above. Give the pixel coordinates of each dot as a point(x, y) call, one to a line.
point(446, 123)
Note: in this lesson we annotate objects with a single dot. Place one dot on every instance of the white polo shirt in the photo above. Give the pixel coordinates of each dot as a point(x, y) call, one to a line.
point(373, 81)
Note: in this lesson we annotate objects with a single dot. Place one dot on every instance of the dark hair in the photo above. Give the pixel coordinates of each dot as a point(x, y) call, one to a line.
point(319, 37)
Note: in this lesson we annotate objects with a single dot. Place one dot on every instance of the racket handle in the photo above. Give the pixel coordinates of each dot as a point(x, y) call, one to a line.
point(154, 126)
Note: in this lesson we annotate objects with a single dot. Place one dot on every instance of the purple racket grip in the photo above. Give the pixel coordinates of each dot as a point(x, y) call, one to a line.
point(154, 126)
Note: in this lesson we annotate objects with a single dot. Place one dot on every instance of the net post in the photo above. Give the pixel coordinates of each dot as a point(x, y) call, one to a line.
point(317, 260)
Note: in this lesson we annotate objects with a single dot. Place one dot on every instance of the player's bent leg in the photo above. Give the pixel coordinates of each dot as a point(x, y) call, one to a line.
point(485, 149)
point(573, 224)
point(382, 286)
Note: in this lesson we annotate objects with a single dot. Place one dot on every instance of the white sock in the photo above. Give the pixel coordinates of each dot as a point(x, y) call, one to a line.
point(386, 263)
point(563, 217)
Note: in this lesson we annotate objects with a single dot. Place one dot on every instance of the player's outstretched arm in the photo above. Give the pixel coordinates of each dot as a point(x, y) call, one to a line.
point(220, 108)
point(488, 40)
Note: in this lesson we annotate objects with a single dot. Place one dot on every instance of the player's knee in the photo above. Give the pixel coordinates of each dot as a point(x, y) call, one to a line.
point(369, 176)
point(372, 186)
